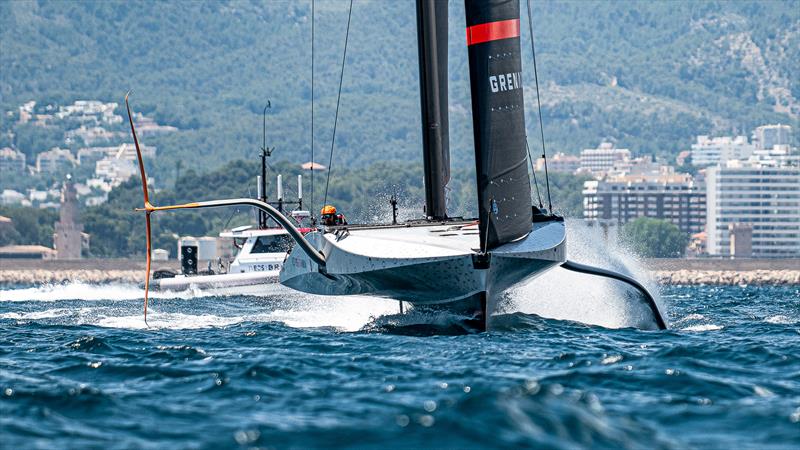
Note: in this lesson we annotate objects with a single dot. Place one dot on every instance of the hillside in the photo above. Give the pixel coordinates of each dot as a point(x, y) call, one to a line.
point(647, 75)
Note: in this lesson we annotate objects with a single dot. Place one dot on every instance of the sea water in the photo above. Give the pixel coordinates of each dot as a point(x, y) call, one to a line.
point(79, 369)
point(564, 365)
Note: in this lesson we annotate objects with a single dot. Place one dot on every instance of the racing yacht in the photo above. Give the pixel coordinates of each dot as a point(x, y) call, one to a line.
point(437, 261)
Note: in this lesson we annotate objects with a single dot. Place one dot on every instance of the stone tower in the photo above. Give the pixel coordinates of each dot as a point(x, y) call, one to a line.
point(68, 228)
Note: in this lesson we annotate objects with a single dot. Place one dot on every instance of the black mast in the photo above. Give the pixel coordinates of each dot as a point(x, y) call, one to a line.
point(498, 119)
point(432, 44)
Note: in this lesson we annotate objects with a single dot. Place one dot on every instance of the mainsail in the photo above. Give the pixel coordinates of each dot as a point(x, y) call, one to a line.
point(498, 118)
point(432, 43)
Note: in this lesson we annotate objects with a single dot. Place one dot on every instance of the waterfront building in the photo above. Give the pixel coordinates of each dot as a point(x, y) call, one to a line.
point(764, 197)
point(741, 240)
point(560, 162)
point(766, 137)
point(26, 252)
point(600, 160)
point(710, 151)
point(11, 161)
point(619, 199)
point(54, 160)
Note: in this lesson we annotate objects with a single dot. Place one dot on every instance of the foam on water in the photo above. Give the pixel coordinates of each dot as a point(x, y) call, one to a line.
point(704, 327)
point(293, 308)
point(158, 320)
point(78, 290)
point(780, 319)
point(344, 313)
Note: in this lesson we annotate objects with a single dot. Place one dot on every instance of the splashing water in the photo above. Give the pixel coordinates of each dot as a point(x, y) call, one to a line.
point(118, 306)
point(564, 295)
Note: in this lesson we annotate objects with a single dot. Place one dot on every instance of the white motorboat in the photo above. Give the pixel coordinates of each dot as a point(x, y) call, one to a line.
point(438, 261)
point(258, 262)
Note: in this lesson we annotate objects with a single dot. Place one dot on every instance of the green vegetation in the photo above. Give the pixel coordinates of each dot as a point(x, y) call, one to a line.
point(654, 238)
point(362, 194)
point(646, 75)
point(31, 226)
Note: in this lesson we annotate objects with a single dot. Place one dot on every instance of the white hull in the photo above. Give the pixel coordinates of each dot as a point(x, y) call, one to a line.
point(423, 265)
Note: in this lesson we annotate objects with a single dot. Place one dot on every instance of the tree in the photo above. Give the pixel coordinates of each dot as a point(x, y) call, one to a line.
point(32, 226)
point(655, 238)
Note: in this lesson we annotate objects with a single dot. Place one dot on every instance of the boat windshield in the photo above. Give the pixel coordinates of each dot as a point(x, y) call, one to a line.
point(272, 244)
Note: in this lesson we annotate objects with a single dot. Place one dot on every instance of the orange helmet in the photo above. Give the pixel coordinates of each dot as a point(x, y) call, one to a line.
point(328, 209)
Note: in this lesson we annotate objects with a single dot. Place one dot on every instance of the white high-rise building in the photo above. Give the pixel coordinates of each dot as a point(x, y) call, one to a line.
point(711, 151)
point(766, 137)
point(764, 197)
point(603, 158)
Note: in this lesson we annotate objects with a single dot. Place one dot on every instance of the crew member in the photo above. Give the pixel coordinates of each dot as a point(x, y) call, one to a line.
point(329, 216)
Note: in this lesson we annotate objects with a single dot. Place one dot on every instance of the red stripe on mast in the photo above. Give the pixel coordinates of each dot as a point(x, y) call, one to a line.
point(492, 31)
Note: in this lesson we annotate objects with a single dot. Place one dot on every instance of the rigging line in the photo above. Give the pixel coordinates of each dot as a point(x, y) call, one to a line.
point(539, 104)
point(312, 110)
point(235, 211)
point(338, 98)
point(535, 182)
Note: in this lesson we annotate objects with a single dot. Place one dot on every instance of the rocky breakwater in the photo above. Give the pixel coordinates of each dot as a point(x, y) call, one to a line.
point(62, 276)
point(727, 277)
point(665, 271)
point(27, 271)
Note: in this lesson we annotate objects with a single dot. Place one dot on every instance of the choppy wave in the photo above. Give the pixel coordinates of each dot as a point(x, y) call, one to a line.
point(289, 370)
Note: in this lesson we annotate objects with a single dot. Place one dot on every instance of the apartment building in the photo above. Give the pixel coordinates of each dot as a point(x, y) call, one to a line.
point(765, 197)
point(620, 199)
point(603, 158)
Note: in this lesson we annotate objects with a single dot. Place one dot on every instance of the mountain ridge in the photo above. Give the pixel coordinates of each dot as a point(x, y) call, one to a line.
point(647, 76)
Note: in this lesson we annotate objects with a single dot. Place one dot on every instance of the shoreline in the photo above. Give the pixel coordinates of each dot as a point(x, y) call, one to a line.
point(663, 271)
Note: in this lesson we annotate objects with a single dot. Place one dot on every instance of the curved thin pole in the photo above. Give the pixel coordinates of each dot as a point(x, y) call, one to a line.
point(271, 211)
point(148, 209)
point(651, 302)
point(147, 205)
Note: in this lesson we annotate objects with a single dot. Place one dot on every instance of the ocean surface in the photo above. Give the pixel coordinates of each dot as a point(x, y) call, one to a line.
point(78, 369)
